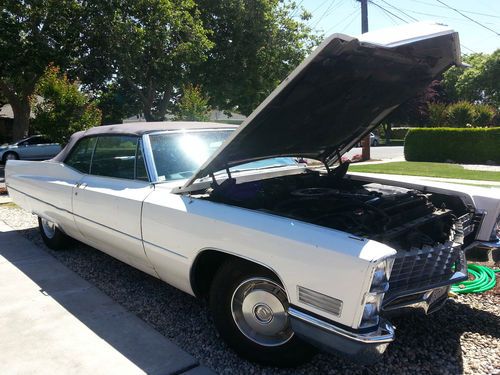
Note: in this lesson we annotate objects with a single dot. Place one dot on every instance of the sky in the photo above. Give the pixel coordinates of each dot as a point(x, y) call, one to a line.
point(344, 16)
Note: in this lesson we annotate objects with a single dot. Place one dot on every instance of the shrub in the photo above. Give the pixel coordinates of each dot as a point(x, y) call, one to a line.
point(484, 115)
point(64, 109)
point(460, 114)
point(438, 115)
point(193, 105)
point(468, 145)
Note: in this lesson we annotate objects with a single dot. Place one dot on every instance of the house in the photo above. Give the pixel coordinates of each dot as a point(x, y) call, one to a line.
point(6, 123)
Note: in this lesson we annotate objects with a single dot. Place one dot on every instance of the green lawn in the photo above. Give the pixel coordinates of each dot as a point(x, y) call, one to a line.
point(411, 168)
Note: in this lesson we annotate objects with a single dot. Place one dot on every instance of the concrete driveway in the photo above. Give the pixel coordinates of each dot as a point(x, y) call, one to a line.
point(393, 153)
point(54, 322)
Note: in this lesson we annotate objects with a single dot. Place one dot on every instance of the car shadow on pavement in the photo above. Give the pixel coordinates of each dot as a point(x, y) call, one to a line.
point(424, 344)
point(34, 314)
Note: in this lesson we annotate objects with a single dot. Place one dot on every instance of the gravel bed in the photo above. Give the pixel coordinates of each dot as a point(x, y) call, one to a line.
point(463, 337)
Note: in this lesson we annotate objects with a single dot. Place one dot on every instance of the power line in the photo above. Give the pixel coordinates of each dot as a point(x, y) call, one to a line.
point(349, 24)
point(469, 18)
point(399, 10)
point(354, 13)
point(388, 11)
point(324, 14)
point(462, 10)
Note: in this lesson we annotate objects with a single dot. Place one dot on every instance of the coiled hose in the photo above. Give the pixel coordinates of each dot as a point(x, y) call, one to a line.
point(484, 279)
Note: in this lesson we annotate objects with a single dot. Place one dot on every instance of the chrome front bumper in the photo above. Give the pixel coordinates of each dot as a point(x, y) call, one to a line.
point(364, 348)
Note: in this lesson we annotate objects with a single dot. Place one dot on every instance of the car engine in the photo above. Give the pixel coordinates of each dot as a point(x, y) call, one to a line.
point(426, 229)
point(402, 218)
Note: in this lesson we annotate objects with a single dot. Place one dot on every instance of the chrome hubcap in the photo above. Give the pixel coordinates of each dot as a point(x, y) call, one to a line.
point(259, 307)
point(49, 228)
point(10, 157)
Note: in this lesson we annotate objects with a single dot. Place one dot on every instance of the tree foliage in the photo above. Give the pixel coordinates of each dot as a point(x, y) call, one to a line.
point(116, 104)
point(33, 34)
point(257, 43)
point(64, 109)
point(460, 114)
point(146, 46)
point(192, 105)
point(479, 83)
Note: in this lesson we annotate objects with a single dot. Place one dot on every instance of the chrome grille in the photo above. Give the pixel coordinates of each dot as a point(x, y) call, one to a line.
point(418, 269)
point(320, 301)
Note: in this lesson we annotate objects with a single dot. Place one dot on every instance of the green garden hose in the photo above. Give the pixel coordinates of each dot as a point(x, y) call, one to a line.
point(484, 279)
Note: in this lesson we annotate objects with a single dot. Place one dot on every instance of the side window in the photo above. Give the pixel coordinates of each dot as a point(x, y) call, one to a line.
point(81, 155)
point(114, 156)
point(44, 141)
point(140, 166)
point(34, 141)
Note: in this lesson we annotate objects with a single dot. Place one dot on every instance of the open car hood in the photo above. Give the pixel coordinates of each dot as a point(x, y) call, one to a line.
point(338, 94)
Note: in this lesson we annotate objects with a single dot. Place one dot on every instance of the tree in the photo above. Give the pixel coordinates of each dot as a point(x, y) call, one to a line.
point(192, 105)
point(64, 109)
point(116, 104)
point(479, 83)
point(145, 46)
point(257, 43)
point(33, 33)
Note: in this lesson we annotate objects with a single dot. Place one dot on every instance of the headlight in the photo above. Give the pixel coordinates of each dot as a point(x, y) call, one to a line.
point(373, 299)
point(495, 233)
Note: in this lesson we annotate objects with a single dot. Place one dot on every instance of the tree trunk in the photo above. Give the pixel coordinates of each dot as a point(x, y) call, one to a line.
point(22, 110)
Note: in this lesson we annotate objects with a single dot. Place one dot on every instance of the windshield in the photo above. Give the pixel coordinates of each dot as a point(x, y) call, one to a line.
point(178, 155)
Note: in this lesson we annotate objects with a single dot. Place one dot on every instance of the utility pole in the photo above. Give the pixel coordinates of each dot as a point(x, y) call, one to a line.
point(365, 143)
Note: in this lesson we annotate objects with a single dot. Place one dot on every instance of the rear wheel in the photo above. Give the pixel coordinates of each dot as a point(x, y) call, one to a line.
point(250, 309)
point(9, 156)
point(51, 235)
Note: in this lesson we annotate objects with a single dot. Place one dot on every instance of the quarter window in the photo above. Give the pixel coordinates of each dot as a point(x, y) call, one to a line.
point(81, 155)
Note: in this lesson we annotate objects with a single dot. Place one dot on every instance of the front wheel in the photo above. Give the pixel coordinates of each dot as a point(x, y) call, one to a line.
point(250, 310)
point(10, 156)
point(52, 235)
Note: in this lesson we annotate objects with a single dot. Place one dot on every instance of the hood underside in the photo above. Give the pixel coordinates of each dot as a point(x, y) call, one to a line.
point(343, 90)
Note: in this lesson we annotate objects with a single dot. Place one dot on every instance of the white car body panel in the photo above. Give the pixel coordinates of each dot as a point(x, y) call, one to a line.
point(177, 228)
point(109, 216)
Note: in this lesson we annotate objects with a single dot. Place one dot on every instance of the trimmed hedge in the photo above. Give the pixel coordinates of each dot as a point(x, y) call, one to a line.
point(460, 145)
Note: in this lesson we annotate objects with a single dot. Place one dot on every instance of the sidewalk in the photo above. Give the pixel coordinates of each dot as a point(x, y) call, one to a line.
point(54, 322)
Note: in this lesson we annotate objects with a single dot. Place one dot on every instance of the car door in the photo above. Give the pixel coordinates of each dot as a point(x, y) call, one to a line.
point(46, 148)
point(107, 202)
point(27, 148)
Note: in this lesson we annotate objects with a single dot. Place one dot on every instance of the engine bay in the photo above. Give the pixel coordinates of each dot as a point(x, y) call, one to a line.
point(402, 218)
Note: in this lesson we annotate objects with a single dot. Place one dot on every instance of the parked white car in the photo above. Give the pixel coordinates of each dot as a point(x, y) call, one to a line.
point(287, 255)
point(36, 147)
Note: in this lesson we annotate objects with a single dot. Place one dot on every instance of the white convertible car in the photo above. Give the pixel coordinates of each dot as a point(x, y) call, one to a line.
point(290, 255)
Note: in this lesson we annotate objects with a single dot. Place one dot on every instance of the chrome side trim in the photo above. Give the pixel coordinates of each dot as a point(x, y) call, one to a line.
point(384, 333)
